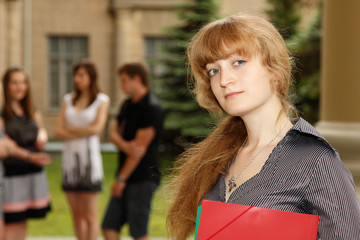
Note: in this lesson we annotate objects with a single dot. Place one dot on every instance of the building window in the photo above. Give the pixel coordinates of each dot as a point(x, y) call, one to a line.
point(64, 52)
point(155, 54)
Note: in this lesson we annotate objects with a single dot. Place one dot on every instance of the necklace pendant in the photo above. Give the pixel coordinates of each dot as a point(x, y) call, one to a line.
point(231, 184)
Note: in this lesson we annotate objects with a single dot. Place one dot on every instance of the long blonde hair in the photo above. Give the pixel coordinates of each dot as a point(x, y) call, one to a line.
point(200, 167)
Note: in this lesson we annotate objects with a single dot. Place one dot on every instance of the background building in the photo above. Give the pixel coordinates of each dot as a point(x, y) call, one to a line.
point(47, 37)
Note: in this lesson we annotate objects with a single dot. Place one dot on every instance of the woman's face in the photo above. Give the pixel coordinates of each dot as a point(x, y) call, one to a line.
point(241, 85)
point(18, 86)
point(82, 79)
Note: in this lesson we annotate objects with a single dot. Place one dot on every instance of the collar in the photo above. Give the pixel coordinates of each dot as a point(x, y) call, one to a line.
point(143, 100)
point(302, 126)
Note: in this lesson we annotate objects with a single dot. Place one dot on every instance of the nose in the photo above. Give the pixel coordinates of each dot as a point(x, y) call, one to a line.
point(226, 76)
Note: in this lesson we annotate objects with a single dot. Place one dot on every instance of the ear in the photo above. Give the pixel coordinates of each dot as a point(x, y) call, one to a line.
point(138, 80)
point(274, 80)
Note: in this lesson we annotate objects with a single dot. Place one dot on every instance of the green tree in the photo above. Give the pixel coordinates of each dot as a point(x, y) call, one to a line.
point(284, 15)
point(184, 116)
point(304, 45)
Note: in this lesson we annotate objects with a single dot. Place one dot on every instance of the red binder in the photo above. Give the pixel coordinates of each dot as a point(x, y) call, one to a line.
point(226, 221)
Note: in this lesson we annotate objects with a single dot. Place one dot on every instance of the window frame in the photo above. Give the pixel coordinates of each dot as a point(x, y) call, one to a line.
point(155, 72)
point(65, 57)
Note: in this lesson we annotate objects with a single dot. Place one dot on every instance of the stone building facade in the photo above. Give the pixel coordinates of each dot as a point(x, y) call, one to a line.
point(47, 37)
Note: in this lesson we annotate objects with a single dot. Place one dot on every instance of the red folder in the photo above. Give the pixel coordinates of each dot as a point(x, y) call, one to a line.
point(226, 221)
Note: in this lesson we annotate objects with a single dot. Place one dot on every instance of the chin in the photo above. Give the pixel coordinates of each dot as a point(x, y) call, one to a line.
point(237, 113)
point(18, 98)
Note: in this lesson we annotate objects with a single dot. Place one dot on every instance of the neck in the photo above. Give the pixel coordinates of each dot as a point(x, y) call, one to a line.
point(263, 127)
point(16, 107)
point(139, 94)
point(84, 93)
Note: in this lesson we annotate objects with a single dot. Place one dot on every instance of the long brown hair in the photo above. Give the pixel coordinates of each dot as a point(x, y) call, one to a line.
point(26, 103)
point(199, 168)
point(91, 71)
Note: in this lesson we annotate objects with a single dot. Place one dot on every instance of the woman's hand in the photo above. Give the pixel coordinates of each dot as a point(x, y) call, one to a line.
point(41, 140)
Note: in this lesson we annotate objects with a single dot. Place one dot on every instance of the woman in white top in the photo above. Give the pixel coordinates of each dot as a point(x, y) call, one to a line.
point(82, 118)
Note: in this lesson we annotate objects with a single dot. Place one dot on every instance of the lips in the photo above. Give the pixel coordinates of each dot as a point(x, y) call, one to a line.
point(233, 94)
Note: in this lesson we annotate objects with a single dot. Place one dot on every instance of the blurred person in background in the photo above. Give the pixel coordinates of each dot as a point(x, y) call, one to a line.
point(25, 192)
point(136, 133)
point(82, 119)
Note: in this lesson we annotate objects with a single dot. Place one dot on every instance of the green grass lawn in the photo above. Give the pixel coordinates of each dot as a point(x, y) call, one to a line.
point(58, 222)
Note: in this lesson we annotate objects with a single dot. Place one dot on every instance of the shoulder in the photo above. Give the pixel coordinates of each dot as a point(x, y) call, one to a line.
point(125, 104)
point(303, 156)
point(153, 109)
point(153, 100)
point(154, 103)
point(308, 137)
point(103, 97)
point(123, 107)
point(303, 148)
point(68, 97)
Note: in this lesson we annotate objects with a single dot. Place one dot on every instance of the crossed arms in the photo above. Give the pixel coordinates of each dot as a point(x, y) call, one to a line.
point(135, 151)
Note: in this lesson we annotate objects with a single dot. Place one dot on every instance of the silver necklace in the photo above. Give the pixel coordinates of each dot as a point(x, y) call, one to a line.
point(232, 180)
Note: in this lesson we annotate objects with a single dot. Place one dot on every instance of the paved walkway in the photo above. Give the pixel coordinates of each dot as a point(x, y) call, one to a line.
point(56, 147)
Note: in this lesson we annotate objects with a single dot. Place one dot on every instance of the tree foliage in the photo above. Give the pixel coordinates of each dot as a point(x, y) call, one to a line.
point(304, 45)
point(284, 15)
point(184, 116)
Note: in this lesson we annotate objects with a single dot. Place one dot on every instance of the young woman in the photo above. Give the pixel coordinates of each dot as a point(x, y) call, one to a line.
point(82, 118)
point(257, 155)
point(25, 192)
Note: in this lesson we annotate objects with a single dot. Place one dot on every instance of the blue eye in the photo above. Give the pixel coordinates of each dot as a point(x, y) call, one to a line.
point(213, 72)
point(239, 62)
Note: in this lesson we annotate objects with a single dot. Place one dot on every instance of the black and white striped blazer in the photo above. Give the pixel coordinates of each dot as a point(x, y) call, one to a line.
point(303, 174)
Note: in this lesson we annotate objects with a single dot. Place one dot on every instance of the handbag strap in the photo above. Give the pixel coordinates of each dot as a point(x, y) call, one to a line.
point(230, 222)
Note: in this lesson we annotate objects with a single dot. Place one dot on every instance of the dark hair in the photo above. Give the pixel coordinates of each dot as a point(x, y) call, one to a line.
point(135, 68)
point(91, 70)
point(25, 103)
